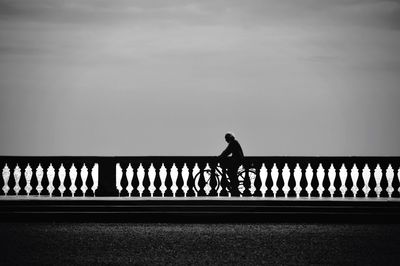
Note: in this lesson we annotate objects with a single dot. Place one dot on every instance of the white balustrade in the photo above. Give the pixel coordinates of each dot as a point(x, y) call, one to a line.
point(174, 176)
point(129, 177)
point(320, 178)
point(390, 176)
point(28, 176)
point(354, 178)
point(366, 173)
point(274, 175)
point(50, 177)
point(61, 175)
point(309, 175)
point(263, 177)
point(50, 173)
point(332, 175)
point(6, 177)
point(84, 175)
point(39, 176)
point(343, 177)
point(297, 178)
point(25, 175)
point(185, 176)
point(378, 178)
point(17, 177)
point(285, 176)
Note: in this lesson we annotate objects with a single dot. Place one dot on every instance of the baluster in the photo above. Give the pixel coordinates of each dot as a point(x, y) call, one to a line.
point(207, 186)
point(39, 176)
point(372, 181)
point(179, 180)
point(201, 182)
point(280, 181)
point(384, 181)
point(213, 180)
point(263, 179)
point(146, 180)
point(354, 177)
point(398, 178)
point(185, 178)
point(152, 176)
point(366, 174)
point(17, 177)
point(174, 176)
point(297, 177)
point(61, 175)
point(163, 177)
point(343, 178)
point(337, 183)
point(378, 178)
point(72, 175)
point(6, 176)
point(314, 180)
point(292, 181)
point(396, 182)
point(274, 175)
point(331, 176)
point(320, 177)
point(95, 178)
point(257, 181)
point(129, 177)
point(50, 176)
point(196, 170)
point(168, 180)
point(190, 182)
point(269, 182)
point(285, 177)
point(118, 178)
point(303, 180)
point(28, 175)
point(84, 175)
point(309, 176)
point(326, 182)
point(140, 177)
point(390, 176)
point(157, 180)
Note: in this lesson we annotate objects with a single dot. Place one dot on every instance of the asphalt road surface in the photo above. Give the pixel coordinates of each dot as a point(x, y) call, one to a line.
point(198, 244)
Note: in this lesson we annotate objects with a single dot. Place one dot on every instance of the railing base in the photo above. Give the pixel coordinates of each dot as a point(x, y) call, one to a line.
point(200, 210)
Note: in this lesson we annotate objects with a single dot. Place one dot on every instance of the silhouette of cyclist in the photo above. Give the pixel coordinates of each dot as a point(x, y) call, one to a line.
point(231, 159)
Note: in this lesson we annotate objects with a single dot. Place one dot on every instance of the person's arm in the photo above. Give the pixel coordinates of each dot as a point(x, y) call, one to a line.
point(226, 152)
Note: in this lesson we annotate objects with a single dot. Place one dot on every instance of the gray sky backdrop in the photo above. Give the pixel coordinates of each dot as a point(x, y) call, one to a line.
point(294, 77)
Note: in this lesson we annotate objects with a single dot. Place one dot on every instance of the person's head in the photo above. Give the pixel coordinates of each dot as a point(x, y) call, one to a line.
point(229, 137)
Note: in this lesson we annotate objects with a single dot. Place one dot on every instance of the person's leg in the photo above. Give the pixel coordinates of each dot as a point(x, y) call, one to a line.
point(234, 180)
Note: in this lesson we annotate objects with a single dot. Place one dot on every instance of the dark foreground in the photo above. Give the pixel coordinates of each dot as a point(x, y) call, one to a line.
point(198, 244)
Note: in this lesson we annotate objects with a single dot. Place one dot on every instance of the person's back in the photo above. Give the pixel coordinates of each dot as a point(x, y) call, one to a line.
point(233, 148)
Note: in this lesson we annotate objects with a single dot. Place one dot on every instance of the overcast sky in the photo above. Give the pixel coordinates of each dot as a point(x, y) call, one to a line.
point(295, 77)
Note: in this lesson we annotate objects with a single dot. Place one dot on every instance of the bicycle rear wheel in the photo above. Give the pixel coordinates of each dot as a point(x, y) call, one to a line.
point(242, 180)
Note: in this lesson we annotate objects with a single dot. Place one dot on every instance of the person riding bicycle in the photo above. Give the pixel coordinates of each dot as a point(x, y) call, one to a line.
point(233, 162)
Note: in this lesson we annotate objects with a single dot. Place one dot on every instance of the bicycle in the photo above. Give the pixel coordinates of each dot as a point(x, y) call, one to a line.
point(220, 175)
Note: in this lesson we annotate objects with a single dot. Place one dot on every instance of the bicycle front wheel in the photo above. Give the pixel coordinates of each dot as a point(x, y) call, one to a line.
point(205, 183)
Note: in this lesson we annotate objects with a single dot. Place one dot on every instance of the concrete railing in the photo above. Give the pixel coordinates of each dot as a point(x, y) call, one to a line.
point(176, 177)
